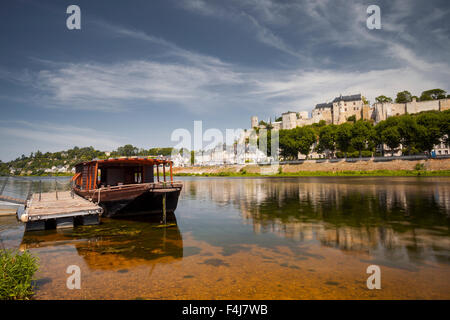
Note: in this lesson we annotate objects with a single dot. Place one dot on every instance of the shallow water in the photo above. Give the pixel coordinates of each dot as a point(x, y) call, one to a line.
point(259, 238)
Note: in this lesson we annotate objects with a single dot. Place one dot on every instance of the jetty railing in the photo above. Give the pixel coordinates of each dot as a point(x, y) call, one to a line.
point(19, 189)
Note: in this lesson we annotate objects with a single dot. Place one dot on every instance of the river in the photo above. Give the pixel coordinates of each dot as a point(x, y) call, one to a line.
point(257, 238)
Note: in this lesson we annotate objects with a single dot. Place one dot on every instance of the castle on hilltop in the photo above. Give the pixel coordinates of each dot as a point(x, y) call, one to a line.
point(344, 107)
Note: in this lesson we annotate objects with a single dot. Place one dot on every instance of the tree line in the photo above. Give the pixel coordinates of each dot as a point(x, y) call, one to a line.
point(406, 96)
point(37, 162)
point(414, 133)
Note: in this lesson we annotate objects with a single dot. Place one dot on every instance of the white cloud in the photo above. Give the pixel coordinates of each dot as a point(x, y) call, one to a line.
point(57, 136)
point(202, 83)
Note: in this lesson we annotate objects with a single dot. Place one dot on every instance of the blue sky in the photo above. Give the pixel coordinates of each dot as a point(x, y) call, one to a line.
point(137, 70)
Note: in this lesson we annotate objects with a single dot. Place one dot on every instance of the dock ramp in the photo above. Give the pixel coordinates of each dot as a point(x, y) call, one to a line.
point(59, 209)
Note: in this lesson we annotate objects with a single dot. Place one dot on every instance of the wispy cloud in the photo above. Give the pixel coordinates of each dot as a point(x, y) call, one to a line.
point(201, 83)
point(57, 136)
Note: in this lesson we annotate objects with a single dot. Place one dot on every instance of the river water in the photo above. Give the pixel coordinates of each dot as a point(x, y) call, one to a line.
point(258, 238)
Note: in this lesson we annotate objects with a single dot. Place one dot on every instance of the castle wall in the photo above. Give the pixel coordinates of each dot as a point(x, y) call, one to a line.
point(415, 107)
point(444, 104)
point(339, 112)
point(289, 120)
point(322, 114)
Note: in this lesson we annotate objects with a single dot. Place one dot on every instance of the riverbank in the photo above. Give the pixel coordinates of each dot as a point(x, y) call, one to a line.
point(310, 168)
point(375, 173)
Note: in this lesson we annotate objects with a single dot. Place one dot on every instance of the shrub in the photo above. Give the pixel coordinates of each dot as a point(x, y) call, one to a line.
point(16, 274)
point(419, 167)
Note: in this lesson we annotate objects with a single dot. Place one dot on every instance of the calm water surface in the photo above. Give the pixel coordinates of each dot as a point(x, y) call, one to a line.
point(258, 238)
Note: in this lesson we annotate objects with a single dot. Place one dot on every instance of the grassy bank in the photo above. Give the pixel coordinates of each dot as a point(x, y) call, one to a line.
point(372, 173)
point(16, 274)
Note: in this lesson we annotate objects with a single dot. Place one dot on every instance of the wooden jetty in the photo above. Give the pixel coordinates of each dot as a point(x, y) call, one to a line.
point(59, 209)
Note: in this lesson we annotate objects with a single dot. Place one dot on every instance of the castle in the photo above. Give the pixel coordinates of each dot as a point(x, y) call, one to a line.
point(344, 107)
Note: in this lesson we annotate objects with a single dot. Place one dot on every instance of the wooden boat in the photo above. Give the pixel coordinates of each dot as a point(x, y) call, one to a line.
point(127, 186)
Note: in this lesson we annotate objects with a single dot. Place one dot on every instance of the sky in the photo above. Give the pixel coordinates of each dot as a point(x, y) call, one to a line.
point(137, 70)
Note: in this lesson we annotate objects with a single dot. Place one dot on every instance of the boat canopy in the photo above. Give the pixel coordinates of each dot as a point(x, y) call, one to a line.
point(119, 171)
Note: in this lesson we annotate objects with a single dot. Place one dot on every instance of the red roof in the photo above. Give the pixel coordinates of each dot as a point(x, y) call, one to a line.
point(125, 160)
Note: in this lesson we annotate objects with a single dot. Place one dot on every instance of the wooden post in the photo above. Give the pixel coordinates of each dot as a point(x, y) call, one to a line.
point(164, 171)
point(164, 208)
point(95, 175)
point(29, 190)
point(4, 184)
point(56, 189)
point(171, 174)
point(157, 171)
point(89, 177)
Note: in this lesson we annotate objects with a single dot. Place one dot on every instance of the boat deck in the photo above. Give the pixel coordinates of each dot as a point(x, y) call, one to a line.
point(62, 207)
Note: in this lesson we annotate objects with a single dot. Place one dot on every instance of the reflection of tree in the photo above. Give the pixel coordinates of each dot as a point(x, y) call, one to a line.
point(115, 245)
point(401, 216)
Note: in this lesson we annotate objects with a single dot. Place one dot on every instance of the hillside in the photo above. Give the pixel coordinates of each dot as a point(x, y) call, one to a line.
point(62, 162)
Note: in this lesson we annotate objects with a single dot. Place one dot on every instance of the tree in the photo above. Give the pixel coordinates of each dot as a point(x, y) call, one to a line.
point(288, 144)
point(361, 134)
point(445, 126)
point(403, 97)
point(433, 94)
point(344, 136)
point(408, 130)
point(352, 119)
point(306, 139)
point(391, 137)
point(127, 150)
point(380, 138)
point(383, 99)
point(327, 139)
point(429, 130)
point(365, 101)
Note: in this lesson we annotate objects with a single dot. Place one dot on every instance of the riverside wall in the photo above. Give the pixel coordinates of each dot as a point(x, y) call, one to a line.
point(313, 165)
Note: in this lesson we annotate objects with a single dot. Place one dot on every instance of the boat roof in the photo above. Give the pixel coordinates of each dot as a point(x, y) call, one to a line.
point(126, 160)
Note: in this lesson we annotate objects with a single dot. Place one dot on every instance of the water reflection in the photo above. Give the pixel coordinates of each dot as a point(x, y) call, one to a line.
point(393, 219)
point(115, 244)
point(259, 238)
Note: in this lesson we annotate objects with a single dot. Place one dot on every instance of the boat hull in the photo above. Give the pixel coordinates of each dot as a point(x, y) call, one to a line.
point(134, 200)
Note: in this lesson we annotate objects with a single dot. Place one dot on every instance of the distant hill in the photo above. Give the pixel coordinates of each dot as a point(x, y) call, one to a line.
point(63, 162)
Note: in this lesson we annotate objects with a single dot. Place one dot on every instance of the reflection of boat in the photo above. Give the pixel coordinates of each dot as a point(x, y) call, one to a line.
point(127, 185)
point(116, 244)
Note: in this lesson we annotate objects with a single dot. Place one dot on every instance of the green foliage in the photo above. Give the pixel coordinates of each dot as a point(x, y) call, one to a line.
point(365, 101)
point(433, 94)
point(403, 97)
point(16, 274)
point(327, 138)
point(344, 136)
point(429, 130)
point(37, 163)
point(383, 99)
point(362, 133)
point(391, 137)
point(352, 119)
point(419, 166)
point(296, 140)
